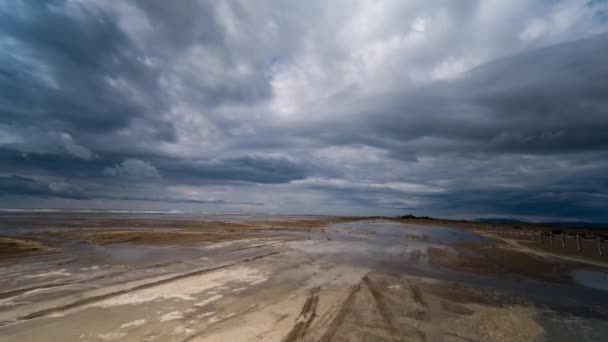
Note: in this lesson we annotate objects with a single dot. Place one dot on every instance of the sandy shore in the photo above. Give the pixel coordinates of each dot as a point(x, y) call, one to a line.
point(285, 279)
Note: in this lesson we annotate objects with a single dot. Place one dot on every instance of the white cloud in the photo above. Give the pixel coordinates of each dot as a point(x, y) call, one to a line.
point(535, 29)
point(419, 25)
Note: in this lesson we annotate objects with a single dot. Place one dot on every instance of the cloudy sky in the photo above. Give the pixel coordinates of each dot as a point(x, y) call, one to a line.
point(465, 108)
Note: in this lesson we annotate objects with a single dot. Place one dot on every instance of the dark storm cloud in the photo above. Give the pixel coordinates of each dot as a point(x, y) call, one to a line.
point(196, 30)
point(177, 23)
point(24, 186)
point(549, 101)
point(390, 106)
point(523, 202)
point(69, 68)
point(170, 200)
point(16, 162)
point(255, 169)
point(552, 100)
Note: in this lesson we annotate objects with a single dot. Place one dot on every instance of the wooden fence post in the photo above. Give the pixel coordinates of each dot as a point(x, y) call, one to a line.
point(599, 246)
point(563, 240)
point(578, 242)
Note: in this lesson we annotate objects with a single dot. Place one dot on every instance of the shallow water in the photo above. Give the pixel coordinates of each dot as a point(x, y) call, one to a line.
point(383, 245)
point(592, 279)
point(386, 247)
point(389, 232)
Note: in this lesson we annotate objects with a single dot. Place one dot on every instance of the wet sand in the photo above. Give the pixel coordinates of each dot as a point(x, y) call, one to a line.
point(108, 277)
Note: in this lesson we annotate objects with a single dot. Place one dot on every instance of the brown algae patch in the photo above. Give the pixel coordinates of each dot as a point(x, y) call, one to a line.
point(150, 237)
point(15, 247)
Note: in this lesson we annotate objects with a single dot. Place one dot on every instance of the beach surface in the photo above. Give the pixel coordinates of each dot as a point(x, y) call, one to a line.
point(186, 277)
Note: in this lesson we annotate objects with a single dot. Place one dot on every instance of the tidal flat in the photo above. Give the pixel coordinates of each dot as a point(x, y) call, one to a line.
point(67, 276)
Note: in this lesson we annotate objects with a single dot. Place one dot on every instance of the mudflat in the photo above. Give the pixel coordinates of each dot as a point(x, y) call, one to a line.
point(159, 277)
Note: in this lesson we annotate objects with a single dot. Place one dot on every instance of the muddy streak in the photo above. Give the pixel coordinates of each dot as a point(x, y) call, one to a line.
point(417, 295)
point(95, 299)
point(338, 320)
point(463, 338)
point(381, 306)
point(21, 291)
point(422, 313)
point(112, 274)
point(305, 318)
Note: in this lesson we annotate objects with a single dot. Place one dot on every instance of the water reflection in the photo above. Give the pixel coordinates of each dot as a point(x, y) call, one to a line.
point(592, 279)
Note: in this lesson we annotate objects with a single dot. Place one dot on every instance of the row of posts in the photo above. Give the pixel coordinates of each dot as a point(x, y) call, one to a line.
point(518, 233)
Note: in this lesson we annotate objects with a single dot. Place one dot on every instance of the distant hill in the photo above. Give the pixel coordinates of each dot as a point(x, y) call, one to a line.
point(573, 224)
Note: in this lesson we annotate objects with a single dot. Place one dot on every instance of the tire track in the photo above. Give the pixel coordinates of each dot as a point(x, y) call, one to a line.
point(381, 306)
point(305, 318)
point(94, 299)
point(341, 315)
point(417, 295)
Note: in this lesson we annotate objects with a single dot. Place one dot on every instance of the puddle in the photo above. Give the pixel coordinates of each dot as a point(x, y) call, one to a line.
point(383, 245)
point(389, 231)
point(593, 279)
